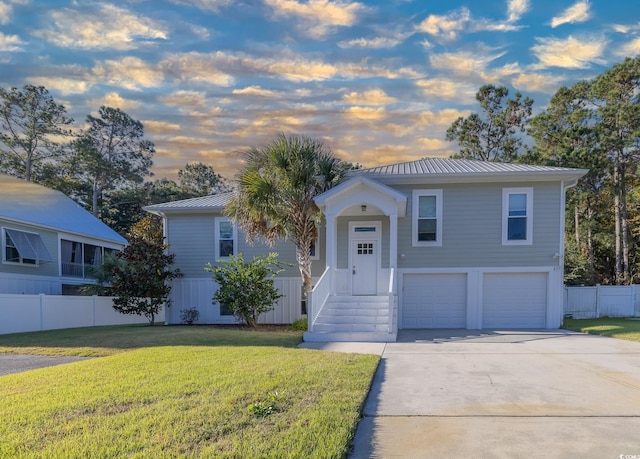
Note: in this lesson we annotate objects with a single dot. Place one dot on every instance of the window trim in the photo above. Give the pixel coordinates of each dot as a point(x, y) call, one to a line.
point(414, 218)
point(317, 246)
point(506, 192)
point(219, 220)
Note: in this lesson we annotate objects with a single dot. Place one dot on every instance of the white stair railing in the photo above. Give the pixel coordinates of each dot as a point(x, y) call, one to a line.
point(392, 297)
point(318, 297)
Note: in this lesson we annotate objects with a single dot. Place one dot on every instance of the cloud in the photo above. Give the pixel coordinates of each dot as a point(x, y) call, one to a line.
point(446, 26)
point(443, 118)
point(464, 62)
point(375, 43)
point(254, 91)
point(62, 85)
point(199, 67)
point(578, 12)
point(537, 82)
point(570, 53)
point(160, 127)
point(108, 28)
point(5, 12)
point(206, 5)
point(630, 49)
point(113, 99)
point(387, 154)
point(365, 113)
point(318, 18)
point(371, 97)
point(447, 89)
point(10, 43)
point(129, 73)
point(184, 99)
point(516, 8)
point(433, 144)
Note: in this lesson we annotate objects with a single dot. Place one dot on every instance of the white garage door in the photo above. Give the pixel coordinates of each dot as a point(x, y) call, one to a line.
point(514, 300)
point(434, 301)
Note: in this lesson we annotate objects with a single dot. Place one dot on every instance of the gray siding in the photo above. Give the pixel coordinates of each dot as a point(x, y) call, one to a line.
point(50, 239)
point(472, 229)
point(191, 238)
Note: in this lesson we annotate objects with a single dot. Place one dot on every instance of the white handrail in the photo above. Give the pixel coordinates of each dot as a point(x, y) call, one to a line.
point(318, 296)
point(392, 296)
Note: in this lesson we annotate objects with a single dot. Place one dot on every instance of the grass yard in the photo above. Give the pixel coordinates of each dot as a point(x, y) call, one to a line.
point(181, 392)
point(614, 327)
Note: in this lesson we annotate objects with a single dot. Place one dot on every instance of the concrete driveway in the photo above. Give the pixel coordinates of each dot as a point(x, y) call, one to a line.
point(510, 394)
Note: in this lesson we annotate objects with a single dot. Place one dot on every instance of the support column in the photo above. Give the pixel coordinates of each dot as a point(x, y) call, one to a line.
point(393, 240)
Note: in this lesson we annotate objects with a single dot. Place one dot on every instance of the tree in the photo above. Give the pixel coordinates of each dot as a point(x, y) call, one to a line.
point(492, 137)
point(31, 125)
point(200, 180)
point(616, 97)
point(566, 136)
point(140, 285)
point(113, 153)
point(246, 289)
point(275, 191)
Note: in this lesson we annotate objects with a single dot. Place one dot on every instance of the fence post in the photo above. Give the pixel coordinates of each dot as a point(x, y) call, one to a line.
point(597, 301)
point(41, 298)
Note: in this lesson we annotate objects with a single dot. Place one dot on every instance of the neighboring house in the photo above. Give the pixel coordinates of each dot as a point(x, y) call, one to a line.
point(433, 243)
point(49, 242)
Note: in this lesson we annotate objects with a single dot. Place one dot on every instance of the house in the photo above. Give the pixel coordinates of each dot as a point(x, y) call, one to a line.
point(433, 243)
point(49, 242)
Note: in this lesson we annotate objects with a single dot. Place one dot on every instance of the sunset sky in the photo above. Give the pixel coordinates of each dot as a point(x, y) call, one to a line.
point(379, 82)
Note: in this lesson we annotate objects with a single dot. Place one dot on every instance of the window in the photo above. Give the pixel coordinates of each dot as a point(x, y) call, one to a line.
point(80, 259)
point(517, 216)
point(427, 218)
point(225, 238)
point(24, 248)
point(315, 247)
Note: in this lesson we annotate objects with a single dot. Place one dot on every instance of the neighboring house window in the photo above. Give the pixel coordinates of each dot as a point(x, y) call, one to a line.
point(80, 259)
point(315, 248)
point(25, 248)
point(226, 237)
point(517, 216)
point(427, 218)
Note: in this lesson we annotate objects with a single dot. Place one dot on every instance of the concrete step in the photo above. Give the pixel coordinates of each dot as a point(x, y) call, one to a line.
point(320, 327)
point(347, 319)
point(340, 310)
point(372, 337)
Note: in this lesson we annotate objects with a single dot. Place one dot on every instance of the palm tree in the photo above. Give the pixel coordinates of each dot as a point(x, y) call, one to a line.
point(275, 191)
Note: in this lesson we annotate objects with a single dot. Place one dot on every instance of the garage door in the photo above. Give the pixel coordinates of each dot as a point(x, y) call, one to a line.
point(434, 301)
point(514, 300)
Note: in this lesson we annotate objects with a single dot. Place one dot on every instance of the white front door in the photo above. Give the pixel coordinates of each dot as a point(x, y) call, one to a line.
point(364, 257)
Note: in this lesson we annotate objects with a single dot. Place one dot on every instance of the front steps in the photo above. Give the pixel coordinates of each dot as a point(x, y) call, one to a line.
point(353, 318)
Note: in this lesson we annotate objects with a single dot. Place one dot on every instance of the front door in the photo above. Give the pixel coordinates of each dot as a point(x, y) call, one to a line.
point(364, 257)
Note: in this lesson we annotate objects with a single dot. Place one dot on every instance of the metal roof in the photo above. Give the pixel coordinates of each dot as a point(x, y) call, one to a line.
point(447, 166)
point(212, 202)
point(36, 205)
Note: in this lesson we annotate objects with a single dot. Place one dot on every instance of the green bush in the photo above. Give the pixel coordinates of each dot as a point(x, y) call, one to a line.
point(299, 325)
point(246, 289)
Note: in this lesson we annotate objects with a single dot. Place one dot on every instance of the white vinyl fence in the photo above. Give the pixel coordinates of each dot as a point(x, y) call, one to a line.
point(602, 301)
point(25, 313)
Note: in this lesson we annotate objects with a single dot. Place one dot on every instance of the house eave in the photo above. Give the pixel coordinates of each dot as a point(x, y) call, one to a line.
point(477, 177)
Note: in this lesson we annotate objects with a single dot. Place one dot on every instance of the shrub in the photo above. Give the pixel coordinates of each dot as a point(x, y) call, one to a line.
point(299, 325)
point(246, 289)
point(189, 316)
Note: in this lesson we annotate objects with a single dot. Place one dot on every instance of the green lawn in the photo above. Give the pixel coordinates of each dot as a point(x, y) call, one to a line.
point(628, 329)
point(181, 392)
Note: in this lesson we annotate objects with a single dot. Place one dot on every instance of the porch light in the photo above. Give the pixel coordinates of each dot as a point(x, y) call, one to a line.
point(363, 207)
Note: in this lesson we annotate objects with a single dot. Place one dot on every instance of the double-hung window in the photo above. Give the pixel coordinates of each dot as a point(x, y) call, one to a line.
point(517, 216)
point(225, 238)
point(427, 218)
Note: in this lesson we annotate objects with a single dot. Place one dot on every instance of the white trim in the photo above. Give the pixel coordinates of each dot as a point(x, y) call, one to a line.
point(528, 192)
point(216, 241)
point(414, 218)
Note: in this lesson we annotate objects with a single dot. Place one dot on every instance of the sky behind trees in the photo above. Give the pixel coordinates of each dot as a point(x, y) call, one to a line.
point(378, 82)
